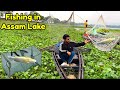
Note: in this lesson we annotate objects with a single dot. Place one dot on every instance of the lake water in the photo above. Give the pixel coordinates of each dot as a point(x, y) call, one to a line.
point(115, 28)
point(108, 27)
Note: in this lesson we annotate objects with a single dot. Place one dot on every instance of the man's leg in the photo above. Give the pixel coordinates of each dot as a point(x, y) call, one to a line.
point(64, 57)
point(71, 57)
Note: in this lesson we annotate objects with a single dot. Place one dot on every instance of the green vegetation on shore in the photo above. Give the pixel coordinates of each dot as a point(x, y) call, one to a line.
point(98, 64)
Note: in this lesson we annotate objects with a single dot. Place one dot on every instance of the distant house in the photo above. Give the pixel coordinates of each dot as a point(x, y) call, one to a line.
point(50, 20)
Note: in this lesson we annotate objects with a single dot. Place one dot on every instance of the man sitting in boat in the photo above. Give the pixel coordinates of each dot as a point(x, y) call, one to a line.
point(66, 52)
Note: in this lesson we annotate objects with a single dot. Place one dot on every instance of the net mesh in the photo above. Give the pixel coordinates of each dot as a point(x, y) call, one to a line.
point(75, 21)
point(10, 66)
point(101, 37)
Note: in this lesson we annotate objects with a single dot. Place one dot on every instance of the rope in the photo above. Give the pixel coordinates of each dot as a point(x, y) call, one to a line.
point(70, 17)
point(83, 20)
point(97, 13)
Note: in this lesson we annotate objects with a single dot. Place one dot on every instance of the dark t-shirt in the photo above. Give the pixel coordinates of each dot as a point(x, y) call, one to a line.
point(64, 47)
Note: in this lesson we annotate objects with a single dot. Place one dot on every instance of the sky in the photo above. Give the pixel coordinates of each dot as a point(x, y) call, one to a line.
point(110, 17)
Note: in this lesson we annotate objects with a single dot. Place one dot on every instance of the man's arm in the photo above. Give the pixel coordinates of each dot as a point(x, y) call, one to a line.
point(62, 48)
point(82, 43)
point(79, 44)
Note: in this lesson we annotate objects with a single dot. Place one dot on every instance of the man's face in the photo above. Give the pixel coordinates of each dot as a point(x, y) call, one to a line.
point(67, 39)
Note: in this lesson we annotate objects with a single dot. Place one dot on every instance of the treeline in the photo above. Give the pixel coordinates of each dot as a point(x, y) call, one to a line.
point(43, 19)
point(50, 19)
point(113, 26)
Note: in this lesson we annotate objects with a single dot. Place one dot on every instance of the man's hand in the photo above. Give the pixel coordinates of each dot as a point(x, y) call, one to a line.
point(87, 41)
point(69, 53)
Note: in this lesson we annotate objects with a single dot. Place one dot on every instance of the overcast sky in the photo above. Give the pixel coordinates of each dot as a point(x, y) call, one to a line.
point(110, 17)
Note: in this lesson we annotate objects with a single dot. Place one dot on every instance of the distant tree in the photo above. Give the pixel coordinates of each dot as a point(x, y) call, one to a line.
point(42, 17)
point(26, 13)
point(50, 19)
point(46, 18)
point(56, 20)
point(5, 12)
point(21, 13)
point(1, 14)
point(36, 13)
point(11, 12)
point(64, 21)
point(32, 13)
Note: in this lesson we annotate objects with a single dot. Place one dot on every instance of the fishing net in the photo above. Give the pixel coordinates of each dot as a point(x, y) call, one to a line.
point(101, 37)
point(70, 20)
point(10, 66)
point(74, 21)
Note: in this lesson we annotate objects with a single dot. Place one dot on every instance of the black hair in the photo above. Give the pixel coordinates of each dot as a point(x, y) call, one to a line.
point(86, 20)
point(65, 36)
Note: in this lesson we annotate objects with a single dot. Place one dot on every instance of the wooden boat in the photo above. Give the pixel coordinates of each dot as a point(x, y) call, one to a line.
point(69, 72)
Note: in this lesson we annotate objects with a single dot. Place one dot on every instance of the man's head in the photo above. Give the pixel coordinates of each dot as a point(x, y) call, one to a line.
point(86, 20)
point(66, 38)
